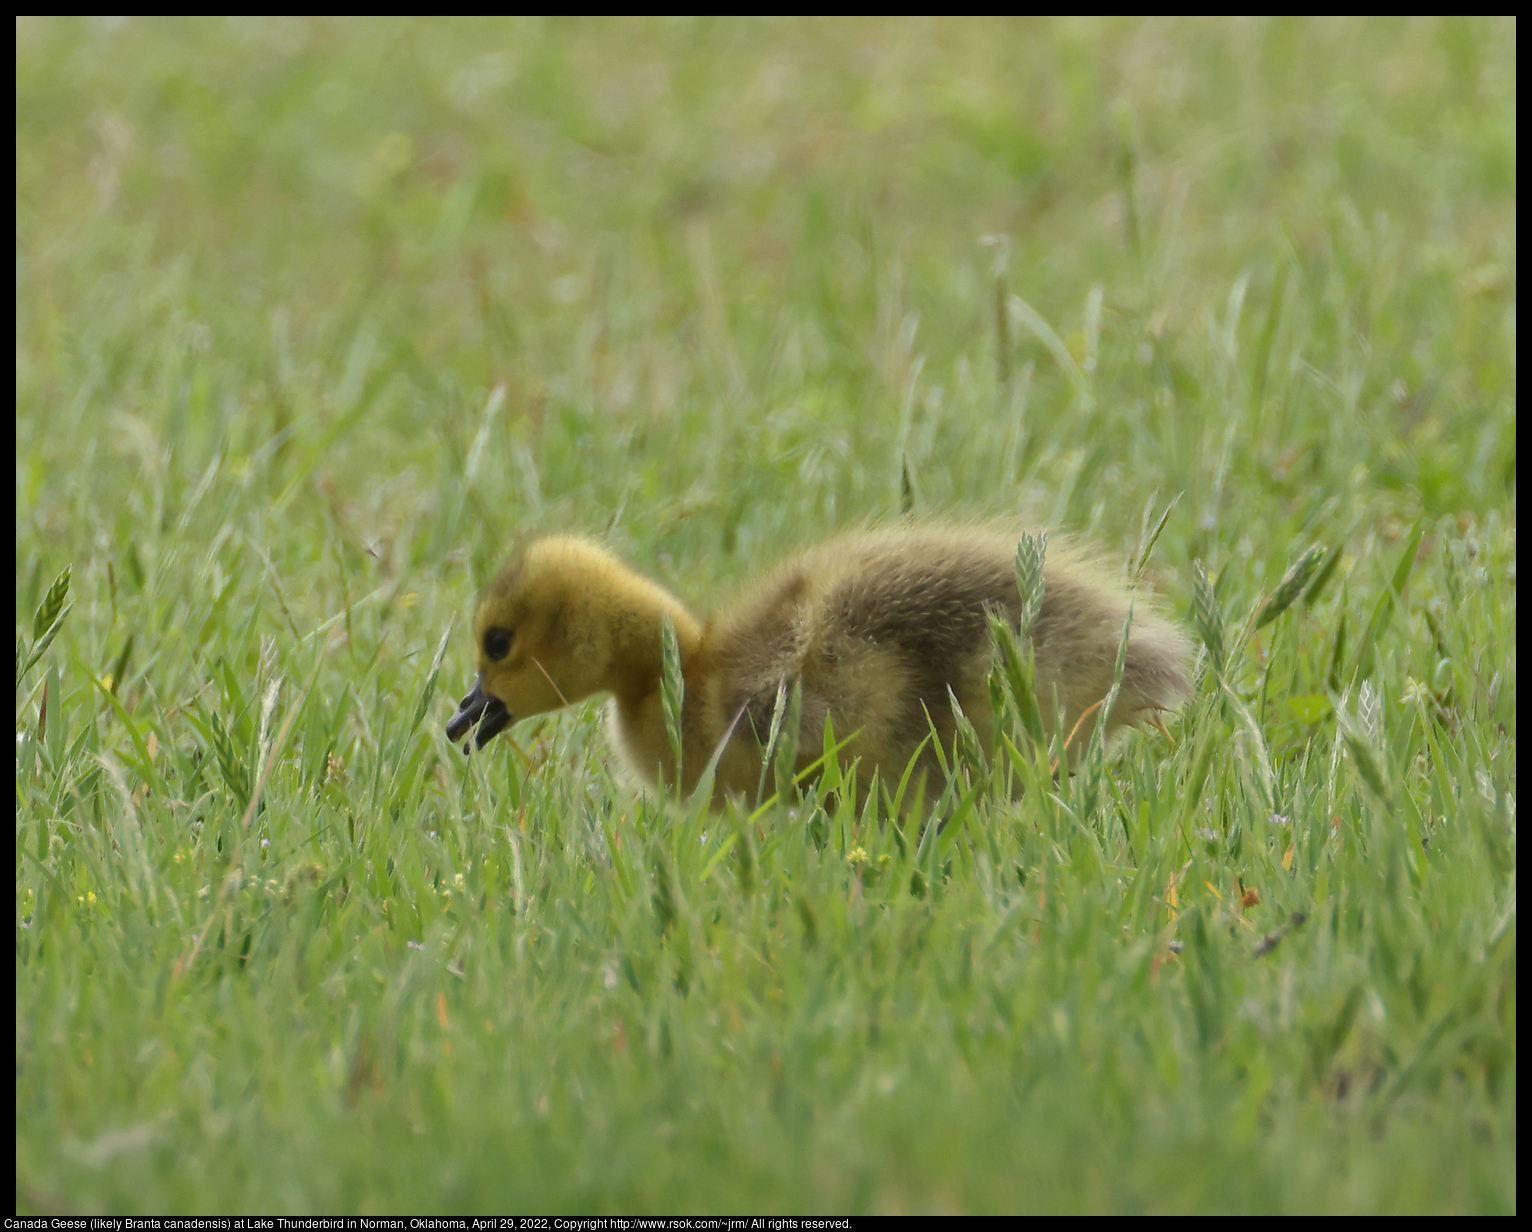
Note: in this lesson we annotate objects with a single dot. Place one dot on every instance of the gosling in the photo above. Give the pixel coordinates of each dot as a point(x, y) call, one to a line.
point(881, 629)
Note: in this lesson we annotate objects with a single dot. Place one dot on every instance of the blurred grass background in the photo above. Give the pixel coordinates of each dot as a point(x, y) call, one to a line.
point(314, 316)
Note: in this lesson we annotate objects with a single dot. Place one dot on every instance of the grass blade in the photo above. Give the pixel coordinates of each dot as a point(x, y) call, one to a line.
point(1015, 676)
point(1141, 560)
point(1366, 650)
point(1031, 551)
point(1208, 617)
point(1290, 587)
point(429, 688)
point(46, 623)
point(672, 691)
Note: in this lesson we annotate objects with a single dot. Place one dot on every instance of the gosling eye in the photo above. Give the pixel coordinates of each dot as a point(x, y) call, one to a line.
point(497, 643)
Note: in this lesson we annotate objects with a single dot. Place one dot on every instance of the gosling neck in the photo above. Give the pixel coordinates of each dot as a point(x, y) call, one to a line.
point(639, 609)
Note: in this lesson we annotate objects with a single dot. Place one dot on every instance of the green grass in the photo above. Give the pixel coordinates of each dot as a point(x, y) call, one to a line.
point(314, 317)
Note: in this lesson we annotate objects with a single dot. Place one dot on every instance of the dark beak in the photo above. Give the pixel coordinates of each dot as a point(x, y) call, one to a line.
point(478, 708)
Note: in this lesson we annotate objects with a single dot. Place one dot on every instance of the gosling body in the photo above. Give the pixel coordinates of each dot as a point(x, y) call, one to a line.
point(879, 629)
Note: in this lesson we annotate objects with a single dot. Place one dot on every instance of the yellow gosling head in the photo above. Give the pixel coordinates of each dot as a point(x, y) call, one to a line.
point(561, 621)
